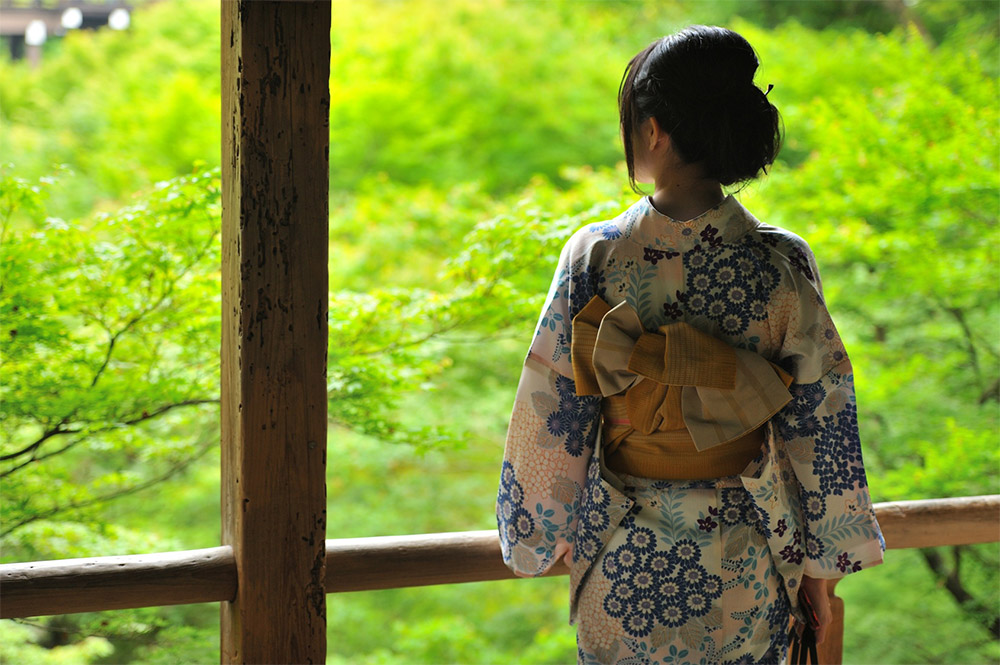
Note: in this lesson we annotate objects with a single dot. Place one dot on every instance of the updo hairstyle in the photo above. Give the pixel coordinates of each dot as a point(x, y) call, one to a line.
point(698, 84)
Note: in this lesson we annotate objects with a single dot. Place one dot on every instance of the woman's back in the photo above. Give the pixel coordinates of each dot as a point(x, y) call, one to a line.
point(723, 272)
point(707, 340)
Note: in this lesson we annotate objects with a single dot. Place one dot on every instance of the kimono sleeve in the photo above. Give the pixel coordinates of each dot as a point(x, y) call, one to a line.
point(550, 439)
point(819, 428)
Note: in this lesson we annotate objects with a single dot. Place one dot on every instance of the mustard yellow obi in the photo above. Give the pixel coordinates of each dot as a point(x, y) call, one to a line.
point(678, 403)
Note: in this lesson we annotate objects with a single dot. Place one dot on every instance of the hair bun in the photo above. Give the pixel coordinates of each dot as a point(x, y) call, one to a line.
point(732, 128)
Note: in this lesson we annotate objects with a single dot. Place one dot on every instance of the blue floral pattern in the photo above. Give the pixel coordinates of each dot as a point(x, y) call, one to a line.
point(662, 595)
point(514, 521)
point(654, 562)
point(730, 285)
point(655, 587)
point(573, 420)
point(608, 230)
point(594, 518)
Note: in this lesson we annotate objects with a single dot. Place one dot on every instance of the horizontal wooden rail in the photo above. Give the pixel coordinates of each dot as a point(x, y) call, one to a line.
point(964, 520)
point(116, 582)
point(388, 562)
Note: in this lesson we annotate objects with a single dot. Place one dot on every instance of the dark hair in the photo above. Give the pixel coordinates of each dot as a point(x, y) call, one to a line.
point(698, 84)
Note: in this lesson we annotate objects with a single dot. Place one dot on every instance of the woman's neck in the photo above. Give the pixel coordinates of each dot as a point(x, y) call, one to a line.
point(682, 192)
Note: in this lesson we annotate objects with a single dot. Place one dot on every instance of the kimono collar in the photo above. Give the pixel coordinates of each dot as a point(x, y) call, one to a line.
point(725, 222)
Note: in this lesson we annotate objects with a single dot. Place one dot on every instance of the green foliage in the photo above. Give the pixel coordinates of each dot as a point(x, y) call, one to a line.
point(898, 198)
point(939, 630)
point(124, 109)
point(453, 108)
point(106, 347)
point(19, 646)
point(456, 183)
point(181, 642)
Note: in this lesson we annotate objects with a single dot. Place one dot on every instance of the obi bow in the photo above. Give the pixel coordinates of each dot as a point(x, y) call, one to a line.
point(676, 377)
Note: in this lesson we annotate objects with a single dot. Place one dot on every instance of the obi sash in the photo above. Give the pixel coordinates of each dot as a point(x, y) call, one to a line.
point(678, 403)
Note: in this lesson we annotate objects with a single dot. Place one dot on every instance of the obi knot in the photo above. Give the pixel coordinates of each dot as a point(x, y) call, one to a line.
point(675, 377)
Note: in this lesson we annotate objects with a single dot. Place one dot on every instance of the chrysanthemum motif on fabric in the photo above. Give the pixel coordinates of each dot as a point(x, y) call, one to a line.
point(609, 230)
point(651, 587)
point(594, 519)
point(729, 285)
point(515, 522)
point(571, 420)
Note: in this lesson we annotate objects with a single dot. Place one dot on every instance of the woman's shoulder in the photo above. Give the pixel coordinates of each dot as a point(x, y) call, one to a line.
point(786, 248)
point(781, 239)
point(603, 234)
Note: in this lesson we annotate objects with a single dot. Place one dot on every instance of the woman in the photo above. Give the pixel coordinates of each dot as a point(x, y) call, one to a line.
point(685, 428)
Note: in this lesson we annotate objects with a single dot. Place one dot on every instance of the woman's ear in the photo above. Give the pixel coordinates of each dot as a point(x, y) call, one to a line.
point(655, 136)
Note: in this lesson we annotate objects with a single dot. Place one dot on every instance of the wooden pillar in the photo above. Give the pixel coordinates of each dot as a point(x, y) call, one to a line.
point(831, 652)
point(275, 182)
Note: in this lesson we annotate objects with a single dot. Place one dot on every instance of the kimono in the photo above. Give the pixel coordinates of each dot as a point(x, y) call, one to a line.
point(689, 571)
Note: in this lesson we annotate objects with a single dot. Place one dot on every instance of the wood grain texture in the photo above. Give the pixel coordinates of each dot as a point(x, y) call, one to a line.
point(934, 522)
point(117, 582)
point(832, 649)
point(389, 562)
point(275, 180)
point(357, 564)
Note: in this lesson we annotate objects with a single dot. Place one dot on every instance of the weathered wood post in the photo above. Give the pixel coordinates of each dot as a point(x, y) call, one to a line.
point(831, 652)
point(275, 181)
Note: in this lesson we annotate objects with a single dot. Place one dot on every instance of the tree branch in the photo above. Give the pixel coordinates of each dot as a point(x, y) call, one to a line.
point(146, 415)
point(38, 458)
point(110, 496)
point(128, 326)
point(47, 434)
point(458, 322)
point(978, 611)
point(107, 359)
point(33, 447)
point(414, 341)
point(959, 316)
point(991, 393)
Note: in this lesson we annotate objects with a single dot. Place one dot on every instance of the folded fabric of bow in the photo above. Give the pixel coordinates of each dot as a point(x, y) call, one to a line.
point(676, 377)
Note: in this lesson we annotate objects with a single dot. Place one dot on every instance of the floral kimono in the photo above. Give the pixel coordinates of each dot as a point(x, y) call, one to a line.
point(689, 571)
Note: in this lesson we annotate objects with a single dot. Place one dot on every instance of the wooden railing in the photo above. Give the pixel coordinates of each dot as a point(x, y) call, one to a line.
point(360, 564)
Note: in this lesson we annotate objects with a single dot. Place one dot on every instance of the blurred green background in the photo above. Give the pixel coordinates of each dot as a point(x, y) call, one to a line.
point(468, 139)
